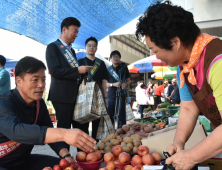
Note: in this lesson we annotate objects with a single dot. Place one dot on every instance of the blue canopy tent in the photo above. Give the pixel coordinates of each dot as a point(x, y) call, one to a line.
point(10, 65)
point(80, 55)
point(40, 20)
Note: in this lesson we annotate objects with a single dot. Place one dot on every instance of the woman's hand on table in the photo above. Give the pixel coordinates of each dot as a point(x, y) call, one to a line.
point(175, 147)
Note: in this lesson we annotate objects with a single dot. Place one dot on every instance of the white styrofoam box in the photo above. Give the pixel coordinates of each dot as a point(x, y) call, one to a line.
point(156, 167)
point(172, 119)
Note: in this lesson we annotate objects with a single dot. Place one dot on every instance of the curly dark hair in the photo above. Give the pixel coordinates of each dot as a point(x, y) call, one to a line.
point(164, 21)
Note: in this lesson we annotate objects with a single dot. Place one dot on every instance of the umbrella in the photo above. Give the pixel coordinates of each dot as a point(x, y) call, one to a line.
point(173, 68)
point(157, 62)
point(144, 62)
point(164, 75)
point(134, 70)
point(160, 68)
point(147, 65)
point(145, 69)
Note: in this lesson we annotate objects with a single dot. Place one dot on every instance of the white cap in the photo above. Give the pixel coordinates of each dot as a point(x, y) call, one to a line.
point(174, 80)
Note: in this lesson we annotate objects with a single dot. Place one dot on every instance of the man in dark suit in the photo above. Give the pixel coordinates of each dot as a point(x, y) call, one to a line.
point(63, 67)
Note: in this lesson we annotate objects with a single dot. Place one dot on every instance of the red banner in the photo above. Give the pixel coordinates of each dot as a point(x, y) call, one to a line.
point(8, 147)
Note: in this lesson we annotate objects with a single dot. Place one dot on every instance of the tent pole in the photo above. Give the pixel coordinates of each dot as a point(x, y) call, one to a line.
point(144, 78)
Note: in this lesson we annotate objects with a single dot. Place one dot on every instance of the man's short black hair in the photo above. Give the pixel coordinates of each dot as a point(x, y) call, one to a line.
point(91, 39)
point(164, 21)
point(70, 21)
point(114, 53)
point(28, 65)
point(2, 60)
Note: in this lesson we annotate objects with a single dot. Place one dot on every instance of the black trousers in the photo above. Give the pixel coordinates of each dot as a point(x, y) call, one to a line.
point(142, 107)
point(36, 162)
point(175, 101)
point(64, 116)
point(156, 101)
point(111, 105)
point(95, 126)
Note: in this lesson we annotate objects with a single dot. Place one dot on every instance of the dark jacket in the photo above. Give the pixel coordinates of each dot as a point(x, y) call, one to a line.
point(17, 124)
point(63, 88)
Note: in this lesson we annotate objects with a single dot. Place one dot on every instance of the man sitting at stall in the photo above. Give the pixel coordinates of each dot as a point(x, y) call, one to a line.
point(25, 122)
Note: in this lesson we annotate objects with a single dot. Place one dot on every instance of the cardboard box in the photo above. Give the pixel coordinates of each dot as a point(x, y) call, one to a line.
point(158, 141)
point(214, 163)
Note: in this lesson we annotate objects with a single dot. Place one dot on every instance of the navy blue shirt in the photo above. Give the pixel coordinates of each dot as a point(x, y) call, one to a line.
point(170, 89)
point(176, 93)
point(17, 124)
point(112, 90)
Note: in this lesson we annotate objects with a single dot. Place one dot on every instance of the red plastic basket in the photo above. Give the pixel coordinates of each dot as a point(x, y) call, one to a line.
point(90, 165)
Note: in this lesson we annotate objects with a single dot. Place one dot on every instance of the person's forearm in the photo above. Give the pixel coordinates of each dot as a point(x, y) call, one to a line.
point(210, 147)
point(171, 94)
point(104, 82)
point(108, 84)
point(186, 122)
point(54, 135)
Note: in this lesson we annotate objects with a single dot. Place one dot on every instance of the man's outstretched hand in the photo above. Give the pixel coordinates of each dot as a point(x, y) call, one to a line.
point(79, 139)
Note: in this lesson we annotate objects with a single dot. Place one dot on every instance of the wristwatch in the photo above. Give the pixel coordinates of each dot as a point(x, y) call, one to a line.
point(111, 84)
point(68, 155)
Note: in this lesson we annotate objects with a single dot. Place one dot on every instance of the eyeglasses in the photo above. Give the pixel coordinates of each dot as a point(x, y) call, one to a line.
point(115, 57)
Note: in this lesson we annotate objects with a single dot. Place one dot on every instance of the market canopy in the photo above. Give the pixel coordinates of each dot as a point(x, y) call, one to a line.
point(41, 19)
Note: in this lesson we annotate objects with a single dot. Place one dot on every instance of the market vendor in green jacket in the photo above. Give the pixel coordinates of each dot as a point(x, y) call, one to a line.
point(173, 36)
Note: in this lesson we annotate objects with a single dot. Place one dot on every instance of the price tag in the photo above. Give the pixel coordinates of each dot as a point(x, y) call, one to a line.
point(81, 98)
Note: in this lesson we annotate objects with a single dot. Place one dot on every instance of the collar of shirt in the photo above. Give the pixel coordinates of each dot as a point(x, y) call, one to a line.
point(67, 46)
point(2, 68)
point(20, 99)
point(115, 68)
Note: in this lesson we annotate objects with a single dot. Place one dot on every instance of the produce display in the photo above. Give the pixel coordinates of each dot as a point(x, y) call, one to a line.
point(129, 136)
point(147, 109)
point(164, 105)
point(64, 165)
point(124, 162)
point(161, 110)
point(152, 120)
point(171, 124)
point(90, 157)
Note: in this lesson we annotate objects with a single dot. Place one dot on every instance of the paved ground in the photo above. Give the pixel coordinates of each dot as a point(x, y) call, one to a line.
point(46, 150)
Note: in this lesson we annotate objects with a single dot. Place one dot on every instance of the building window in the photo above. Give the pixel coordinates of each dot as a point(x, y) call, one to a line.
point(119, 44)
